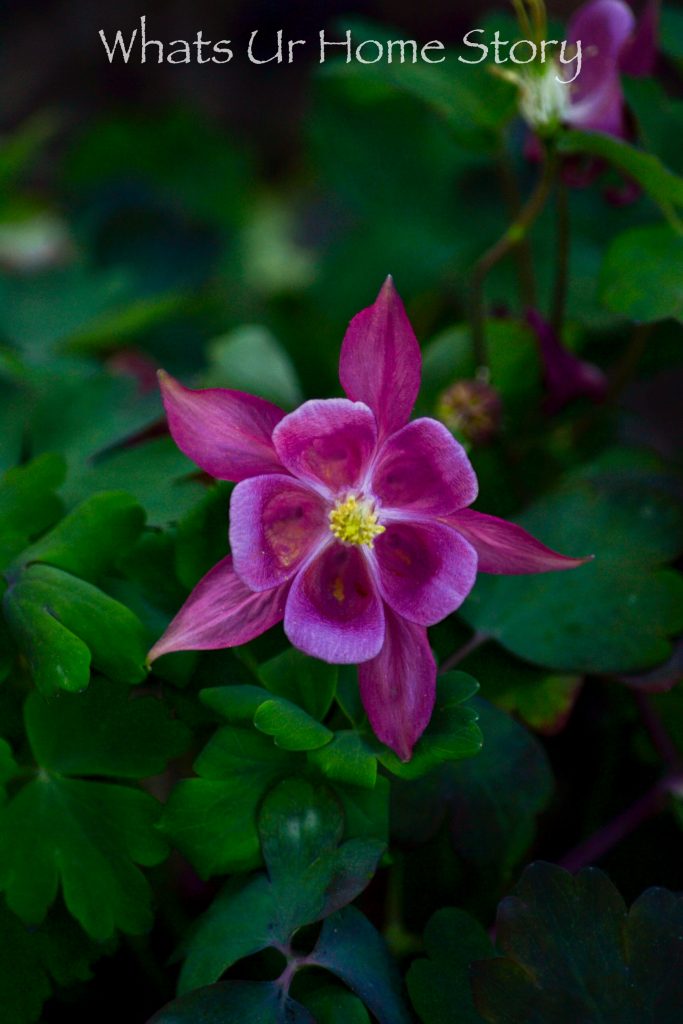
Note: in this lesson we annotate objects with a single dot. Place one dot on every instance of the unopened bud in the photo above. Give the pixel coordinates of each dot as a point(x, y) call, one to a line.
point(471, 408)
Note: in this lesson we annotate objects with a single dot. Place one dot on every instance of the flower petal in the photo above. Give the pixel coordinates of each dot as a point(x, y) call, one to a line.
point(227, 433)
point(380, 360)
point(221, 612)
point(638, 56)
point(505, 548)
point(275, 522)
point(333, 610)
point(422, 468)
point(327, 441)
point(566, 376)
point(425, 570)
point(398, 687)
point(603, 27)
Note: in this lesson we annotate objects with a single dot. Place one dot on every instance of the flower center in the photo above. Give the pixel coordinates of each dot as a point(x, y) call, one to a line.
point(355, 522)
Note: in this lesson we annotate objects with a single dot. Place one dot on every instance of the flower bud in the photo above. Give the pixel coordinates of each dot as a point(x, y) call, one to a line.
point(471, 408)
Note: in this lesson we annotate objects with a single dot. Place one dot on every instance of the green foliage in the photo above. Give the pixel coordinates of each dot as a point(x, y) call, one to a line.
point(642, 273)
point(453, 940)
point(562, 936)
point(624, 511)
point(93, 833)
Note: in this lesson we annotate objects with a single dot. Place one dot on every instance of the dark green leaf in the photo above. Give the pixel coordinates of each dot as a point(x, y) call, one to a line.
point(251, 359)
point(350, 947)
point(348, 758)
point(335, 1005)
point(642, 277)
point(103, 732)
point(439, 986)
point(60, 621)
point(91, 837)
point(305, 681)
point(614, 614)
point(290, 726)
point(253, 1002)
point(571, 953)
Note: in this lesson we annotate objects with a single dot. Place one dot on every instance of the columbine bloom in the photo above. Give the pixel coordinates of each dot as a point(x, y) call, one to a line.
point(565, 376)
point(613, 43)
point(347, 521)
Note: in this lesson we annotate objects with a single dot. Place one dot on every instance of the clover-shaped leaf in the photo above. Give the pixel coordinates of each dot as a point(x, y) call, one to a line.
point(310, 875)
point(93, 834)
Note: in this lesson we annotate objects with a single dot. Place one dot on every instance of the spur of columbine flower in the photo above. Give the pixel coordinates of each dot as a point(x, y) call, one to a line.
point(565, 376)
point(348, 521)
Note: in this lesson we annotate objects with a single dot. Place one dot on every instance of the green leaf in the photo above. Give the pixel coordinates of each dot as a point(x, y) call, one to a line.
point(255, 1002)
point(348, 758)
point(309, 876)
point(661, 184)
point(103, 732)
point(491, 801)
point(92, 538)
point(92, 836)
point(28, 504)
point(290, 726)
point(441, 983)
point(562, 937)
point(474, 104)
point(60, 621)
point(672, 32)
point(624, 510)
point(335, 1005)
point(642, 276)
point(305, 681)
point(35, 957)
point(212, 819)
point(452, 732)
point(251, 359)
point(8, 767)
point(350, 947)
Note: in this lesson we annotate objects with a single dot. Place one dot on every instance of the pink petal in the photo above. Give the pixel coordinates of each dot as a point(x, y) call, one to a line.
point(638, 56)
point(423, 469)
point(328, 442)
point(597, 103)
point(380, 360)
point(333, 610)
point(275, 522)
point(505, 548)
point(426, 570)
point(227, 433)
point(221, 612)
point(398, 687)
point(565, 375)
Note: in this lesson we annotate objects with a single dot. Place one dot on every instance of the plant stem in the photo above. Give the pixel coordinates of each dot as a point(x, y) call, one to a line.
point(659, 737)
point(513, 200)
point(629, 362)
point(474, 642)
point(607, 837)
point(514, 236)
point(562, 269)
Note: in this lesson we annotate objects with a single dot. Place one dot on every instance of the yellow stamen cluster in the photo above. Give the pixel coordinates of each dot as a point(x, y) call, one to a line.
point(355, 522)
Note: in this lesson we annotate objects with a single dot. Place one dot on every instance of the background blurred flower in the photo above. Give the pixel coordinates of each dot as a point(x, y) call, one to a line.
point(565, 375)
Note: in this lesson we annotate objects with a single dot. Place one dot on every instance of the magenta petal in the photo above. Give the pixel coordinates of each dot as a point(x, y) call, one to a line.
point(221, 612)
point(425, 570)
point(603, 27)
point(227, 433)
point(638, 56)
point(565, 375)
point(327, 441)
point(398, 687)
point(275, 522)
point(333, 610)
point(505, 548)
point(380, 360)
point(423, 469)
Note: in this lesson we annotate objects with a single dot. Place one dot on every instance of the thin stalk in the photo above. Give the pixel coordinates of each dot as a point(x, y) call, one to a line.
point(562, 267)
point(473, 644)
point(513, 200)
point(659, 737)
point(610, 835)
point(514, 236)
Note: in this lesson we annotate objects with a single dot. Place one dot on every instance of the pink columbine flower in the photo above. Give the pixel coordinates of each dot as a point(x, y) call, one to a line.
point(614, 43)
point(348, 521)
point(565, 376)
